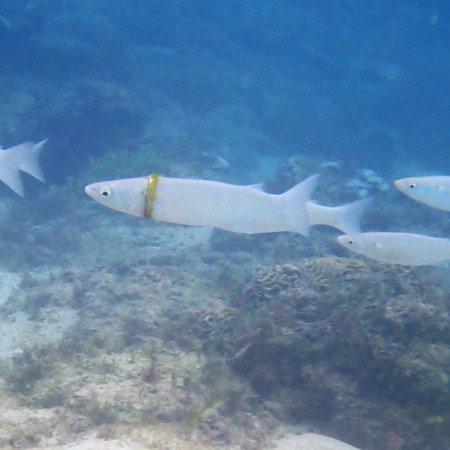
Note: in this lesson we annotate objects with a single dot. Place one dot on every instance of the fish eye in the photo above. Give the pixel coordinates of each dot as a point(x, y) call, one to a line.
point(351, 241)
point(412, 185)
point(106, 192)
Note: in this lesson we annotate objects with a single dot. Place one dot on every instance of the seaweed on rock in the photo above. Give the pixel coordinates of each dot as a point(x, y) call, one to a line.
point(381, 332)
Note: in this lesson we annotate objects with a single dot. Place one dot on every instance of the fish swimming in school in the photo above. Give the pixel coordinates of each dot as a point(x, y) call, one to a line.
point(399, 248)
point(433, 191)
point(240, 209)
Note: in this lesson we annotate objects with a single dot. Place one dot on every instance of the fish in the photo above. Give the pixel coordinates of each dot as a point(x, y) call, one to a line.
point(20, 158)
point(433, 191)
point(399, 248)
point(235, 208)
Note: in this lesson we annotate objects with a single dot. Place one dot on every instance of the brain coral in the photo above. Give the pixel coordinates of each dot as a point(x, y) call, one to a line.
point(316, 273)
point(379, 331)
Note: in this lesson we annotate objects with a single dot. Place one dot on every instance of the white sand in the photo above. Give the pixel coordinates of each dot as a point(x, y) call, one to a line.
point(18, 333)
point(8, 281)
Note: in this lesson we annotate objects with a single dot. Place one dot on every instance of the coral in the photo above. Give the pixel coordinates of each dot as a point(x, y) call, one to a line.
point(361, 182)
point(357, 348)
point(124, 163)
point(383, 328)
point(101, 115)
point(26, 368)
point(48, 398)
point(101, 413)
point(317, 273)
point(35, 302)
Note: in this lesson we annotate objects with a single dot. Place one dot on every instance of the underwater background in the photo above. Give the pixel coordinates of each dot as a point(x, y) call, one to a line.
point(120, 331)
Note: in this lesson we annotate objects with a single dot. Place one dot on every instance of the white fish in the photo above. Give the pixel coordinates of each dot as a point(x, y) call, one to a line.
point(23, 157)
point(433, 191)
point(241, 209)
point(399, 248)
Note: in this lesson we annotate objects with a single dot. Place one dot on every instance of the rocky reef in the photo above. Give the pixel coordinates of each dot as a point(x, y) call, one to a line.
point(129, 333)
point(354, 349)
point(359, 348)
point(123, 362)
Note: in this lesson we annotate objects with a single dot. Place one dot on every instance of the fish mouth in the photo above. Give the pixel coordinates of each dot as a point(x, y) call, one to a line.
point(89, 190)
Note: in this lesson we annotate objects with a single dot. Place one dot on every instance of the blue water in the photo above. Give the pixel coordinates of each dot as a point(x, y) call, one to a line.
point(245, 92)
point(358, 81)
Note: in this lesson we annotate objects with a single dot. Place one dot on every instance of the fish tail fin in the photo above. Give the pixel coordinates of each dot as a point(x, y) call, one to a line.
point(348, 217)
point(9, 171)
point(12, 180)
point(296, 199)
point(30, 161)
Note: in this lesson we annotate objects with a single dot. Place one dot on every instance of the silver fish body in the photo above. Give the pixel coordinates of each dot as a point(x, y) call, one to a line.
point(399, 248)
point(240, 209)
point(433, 191)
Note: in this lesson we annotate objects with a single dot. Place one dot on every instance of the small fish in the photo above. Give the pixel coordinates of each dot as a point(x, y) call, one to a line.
point(433, 191)
point(240, 209)
point(399, 248)
point(23, 157)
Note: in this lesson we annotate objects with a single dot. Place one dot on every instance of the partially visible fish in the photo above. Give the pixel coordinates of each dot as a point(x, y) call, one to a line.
point(23, 157)
point(399, 248)
point(241, 209)
point(433, 191)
